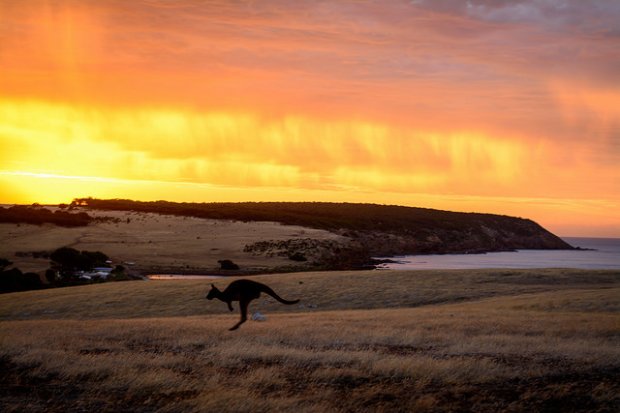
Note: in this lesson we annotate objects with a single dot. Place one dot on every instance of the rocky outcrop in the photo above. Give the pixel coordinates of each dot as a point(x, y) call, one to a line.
point(508, 234)
point(355, 249)
point(310, 252)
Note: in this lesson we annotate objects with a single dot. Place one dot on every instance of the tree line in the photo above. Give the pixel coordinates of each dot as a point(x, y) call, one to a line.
point(324, 215)
point(66, 268)
point(36, 215)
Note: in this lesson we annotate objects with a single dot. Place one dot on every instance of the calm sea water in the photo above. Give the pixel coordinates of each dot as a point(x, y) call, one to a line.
point(605, 254)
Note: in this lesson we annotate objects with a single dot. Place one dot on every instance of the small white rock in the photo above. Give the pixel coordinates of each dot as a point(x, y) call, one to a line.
point(258, 317)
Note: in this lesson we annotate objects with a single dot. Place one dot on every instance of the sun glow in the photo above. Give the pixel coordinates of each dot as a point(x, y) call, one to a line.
point(244, 150)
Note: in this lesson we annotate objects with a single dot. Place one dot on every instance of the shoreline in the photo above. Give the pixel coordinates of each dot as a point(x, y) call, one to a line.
point(167, 277)
point(176, 277)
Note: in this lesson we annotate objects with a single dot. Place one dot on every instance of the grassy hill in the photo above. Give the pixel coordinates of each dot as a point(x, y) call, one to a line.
point(170, 237)
point(326, 215)
point(511, 340)
point(373, 230)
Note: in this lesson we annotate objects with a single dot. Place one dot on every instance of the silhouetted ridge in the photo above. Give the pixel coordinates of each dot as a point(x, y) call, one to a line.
point(36, 215)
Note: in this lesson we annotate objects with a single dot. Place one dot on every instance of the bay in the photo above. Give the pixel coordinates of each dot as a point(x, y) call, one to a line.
point(596, 253)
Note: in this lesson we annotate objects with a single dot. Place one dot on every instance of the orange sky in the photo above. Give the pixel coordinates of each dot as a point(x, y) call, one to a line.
point(509, 107)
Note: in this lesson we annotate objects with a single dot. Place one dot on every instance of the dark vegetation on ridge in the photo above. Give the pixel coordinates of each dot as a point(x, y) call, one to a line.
point(37, 215)
point(325, 215)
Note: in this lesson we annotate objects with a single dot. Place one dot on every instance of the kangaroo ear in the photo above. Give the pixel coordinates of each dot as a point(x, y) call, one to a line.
point(212, 286)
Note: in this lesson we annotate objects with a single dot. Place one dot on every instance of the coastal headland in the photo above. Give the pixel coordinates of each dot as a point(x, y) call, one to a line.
point(180, 238)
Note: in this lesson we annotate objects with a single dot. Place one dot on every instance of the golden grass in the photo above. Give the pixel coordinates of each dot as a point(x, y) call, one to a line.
point(319, 291)
point(444, 341)
point(155, 241)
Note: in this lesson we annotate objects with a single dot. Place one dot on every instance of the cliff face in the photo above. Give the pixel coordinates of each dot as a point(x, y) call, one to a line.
point(487, 234)
point(484, 233)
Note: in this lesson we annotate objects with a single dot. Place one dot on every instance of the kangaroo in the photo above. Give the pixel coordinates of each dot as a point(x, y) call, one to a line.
point(243, 291)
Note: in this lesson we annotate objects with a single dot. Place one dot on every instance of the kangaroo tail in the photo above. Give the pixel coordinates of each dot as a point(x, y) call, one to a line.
point(272, 293)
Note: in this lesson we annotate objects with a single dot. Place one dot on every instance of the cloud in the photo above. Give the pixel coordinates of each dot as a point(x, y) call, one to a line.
point(407, 63)
point(583, 15)
point(245, 149)
point(473, 98)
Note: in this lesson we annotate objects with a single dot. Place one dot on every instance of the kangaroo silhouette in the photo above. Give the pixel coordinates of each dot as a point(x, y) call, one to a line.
point(243, 291)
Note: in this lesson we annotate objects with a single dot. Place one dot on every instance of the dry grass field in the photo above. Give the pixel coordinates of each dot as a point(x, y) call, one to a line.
point(154, 242)
point(484, 340)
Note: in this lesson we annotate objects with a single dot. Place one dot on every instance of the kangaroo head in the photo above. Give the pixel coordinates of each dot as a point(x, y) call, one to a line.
point(214, 292)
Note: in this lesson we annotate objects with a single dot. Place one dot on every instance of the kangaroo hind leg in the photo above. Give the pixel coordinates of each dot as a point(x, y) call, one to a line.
point(243, 308)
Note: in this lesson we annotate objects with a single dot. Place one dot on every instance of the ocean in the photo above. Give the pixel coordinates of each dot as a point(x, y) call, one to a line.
point(601, 253)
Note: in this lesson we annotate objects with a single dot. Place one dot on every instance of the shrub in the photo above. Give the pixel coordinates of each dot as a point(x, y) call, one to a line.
point(14, 280)
point(70, 259)
point(228, 265)
point(297, 256)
